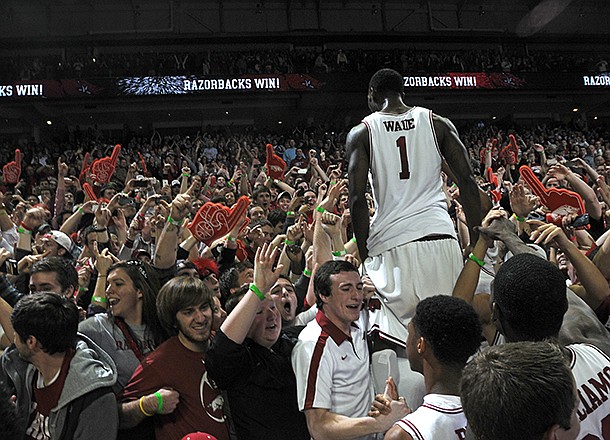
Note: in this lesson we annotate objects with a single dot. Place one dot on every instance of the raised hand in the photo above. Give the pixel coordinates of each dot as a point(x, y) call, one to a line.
point(521, 202)
point(498, 229)
point(264, 275)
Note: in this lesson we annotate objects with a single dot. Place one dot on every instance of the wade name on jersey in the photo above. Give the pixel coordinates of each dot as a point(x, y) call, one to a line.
point(402, 125)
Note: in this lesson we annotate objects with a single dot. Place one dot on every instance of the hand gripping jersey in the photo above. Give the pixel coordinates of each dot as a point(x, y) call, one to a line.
point(405, 175)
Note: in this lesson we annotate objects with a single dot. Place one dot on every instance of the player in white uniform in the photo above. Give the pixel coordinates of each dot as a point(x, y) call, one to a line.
point(409, 248)
point(443, 334)
point(529, 304)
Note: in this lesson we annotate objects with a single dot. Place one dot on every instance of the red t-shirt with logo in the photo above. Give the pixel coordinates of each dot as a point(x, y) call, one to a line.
point(174, 366)
point(44, 399)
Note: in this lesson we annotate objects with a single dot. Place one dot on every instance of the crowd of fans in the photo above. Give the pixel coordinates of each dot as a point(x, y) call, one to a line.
point(298, 60)
point(149, 289)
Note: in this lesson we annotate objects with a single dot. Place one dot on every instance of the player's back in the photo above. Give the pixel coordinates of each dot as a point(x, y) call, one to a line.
point(405, 177)
point(591, 369)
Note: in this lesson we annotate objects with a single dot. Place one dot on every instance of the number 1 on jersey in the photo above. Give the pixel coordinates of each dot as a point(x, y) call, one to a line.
point(401, 143)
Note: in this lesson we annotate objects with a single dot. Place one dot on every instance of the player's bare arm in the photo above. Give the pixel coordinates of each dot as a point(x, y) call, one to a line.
point(358, 154)
point(456, 156)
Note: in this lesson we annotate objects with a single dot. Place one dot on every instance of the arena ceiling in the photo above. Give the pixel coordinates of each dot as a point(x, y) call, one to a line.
point(39, 26)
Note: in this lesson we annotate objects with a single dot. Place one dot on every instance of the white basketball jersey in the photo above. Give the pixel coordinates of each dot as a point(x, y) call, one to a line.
point(405, 175)
point(591, 369)
point(440, 417)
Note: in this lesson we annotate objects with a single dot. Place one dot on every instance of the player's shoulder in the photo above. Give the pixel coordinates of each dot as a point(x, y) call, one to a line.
point(357, 134)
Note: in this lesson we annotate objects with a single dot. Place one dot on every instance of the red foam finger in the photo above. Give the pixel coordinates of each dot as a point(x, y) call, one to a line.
point(143, 163)
point(214, 220)
point(276, 166)
point(115, 154)
point(89, 191)
point(553, 198)
point(12, 170)
point(244, 226)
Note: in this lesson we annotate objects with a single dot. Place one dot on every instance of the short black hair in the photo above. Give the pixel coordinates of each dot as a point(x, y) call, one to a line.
point(322, 284)
point(450, 326)
point(276, 216)
point(531, 295)
point(229, 279)
point(387, 81)
point(63, 268)
point(234, 299)
point(51, 318)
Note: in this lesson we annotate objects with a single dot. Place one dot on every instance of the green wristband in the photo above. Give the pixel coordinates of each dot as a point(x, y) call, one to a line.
point(353, 240)
point(320, 209)
point(520, 219)
point(99, 299)
point(306, 272)
point(257, 292)
point(159, 402)
point(290, 213)
point(472, 257)
point(171, 221)
point(289, 242)
point(340, 253)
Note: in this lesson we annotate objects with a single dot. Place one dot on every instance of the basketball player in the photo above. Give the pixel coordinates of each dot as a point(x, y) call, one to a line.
point(410, 250)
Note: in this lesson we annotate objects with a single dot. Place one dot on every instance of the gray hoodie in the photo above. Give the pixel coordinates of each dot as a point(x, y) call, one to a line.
point(87, 390)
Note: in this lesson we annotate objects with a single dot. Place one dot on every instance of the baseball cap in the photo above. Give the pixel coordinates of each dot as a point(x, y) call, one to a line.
point(199, 436)
point(61, 239)
point(284, 194)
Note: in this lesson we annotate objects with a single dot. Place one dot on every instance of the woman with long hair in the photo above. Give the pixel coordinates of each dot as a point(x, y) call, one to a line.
point(130, 329)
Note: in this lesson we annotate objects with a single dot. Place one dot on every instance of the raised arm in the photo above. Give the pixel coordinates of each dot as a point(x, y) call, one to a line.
point(358, 155)
point(456, 156)
point(167, 245)
point(238, 323)
point(592, 205)
point(593, 281)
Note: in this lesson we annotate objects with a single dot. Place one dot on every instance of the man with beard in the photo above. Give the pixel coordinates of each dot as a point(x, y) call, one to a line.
point(172, 383)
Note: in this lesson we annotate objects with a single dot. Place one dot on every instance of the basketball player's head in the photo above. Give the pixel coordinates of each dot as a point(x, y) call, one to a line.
point(529, 299)
point(522, 390)
point(444, 330)
point(384, 84)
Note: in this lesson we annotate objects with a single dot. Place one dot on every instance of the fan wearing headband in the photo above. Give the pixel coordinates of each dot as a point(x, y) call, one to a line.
point(131, 328)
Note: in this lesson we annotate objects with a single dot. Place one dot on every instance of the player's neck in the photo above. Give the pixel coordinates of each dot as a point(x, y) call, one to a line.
point(394, 106)
point(443, 381)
